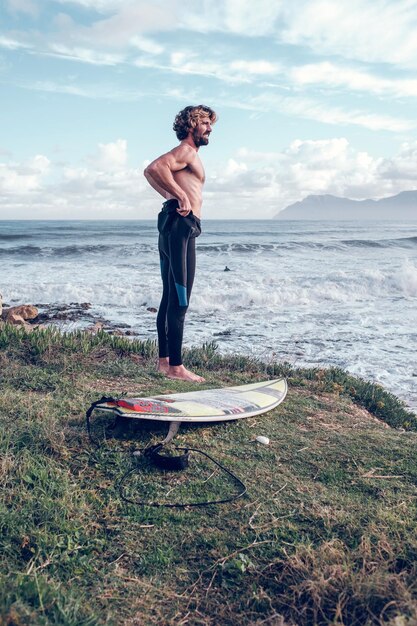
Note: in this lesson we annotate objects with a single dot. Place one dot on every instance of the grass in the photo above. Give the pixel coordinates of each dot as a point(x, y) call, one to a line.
point(326, 534)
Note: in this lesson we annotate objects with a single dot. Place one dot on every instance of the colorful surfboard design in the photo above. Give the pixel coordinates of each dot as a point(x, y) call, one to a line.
point(209, 405)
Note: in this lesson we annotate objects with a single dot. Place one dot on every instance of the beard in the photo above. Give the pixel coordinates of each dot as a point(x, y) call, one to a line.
point(200, 140)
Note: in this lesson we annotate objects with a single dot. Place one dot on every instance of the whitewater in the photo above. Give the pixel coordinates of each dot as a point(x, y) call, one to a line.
point(306, 292)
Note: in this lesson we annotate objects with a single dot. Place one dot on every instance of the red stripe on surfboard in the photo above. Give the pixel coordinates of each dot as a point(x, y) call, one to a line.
point(143, 407)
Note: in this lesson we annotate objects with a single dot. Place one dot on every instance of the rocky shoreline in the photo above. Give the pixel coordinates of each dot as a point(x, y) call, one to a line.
point(66, 317)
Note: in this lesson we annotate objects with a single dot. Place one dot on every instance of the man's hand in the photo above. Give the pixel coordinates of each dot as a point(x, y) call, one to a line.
point(184, 206)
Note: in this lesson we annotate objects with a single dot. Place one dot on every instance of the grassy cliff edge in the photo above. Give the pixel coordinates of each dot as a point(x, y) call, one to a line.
point(325, 535)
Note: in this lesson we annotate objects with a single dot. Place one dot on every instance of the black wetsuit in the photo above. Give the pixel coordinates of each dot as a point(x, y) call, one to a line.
point(177, 257)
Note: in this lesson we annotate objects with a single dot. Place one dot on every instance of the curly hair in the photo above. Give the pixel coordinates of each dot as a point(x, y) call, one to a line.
point(188, 118)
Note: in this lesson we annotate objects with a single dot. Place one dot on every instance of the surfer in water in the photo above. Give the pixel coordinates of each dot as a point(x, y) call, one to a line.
point(178, 176)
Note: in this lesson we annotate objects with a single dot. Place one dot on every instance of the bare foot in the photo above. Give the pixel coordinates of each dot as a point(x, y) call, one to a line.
point(163, 365)
point(179, 372)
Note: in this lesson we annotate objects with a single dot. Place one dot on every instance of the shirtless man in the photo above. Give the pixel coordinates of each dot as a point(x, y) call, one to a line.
point(179, 177)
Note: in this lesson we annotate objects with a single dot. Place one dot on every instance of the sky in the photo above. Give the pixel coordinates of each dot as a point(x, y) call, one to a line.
point(313, 97)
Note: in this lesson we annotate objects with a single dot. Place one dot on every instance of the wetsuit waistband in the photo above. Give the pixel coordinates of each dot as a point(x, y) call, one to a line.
point(171, 205)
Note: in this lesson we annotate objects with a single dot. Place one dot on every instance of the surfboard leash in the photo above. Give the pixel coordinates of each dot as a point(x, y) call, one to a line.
point(88, 414)
point(152, 452)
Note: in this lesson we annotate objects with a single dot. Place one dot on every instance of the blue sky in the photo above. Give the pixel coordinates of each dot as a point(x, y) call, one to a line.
point(313, 97)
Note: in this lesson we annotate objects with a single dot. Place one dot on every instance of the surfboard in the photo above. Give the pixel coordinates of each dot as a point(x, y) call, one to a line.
point(208, 405)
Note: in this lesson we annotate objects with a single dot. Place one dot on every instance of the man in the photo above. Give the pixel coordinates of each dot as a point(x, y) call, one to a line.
point(179, 177)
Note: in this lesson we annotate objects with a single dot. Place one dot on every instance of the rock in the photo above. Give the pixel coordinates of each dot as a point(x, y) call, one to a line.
point(1, 304)
point(95, 328)
point(26, 311)
point(262, 439)
point(16, 320)
point(152, 309)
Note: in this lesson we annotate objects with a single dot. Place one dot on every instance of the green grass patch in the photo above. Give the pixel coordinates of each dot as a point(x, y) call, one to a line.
point(326, 534)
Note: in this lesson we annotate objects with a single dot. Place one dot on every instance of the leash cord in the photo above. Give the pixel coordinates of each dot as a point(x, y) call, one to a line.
point(88, 415)
point(121, 486)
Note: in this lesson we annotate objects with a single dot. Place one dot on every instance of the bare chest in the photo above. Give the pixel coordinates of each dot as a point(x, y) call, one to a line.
point(196, 169)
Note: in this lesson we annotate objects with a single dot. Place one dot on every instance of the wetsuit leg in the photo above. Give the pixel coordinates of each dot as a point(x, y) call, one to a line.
point(177, 257)
point(180, 293)
point(161, 319)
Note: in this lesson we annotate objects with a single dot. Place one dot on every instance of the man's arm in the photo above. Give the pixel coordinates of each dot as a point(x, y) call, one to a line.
point(154, 184)
point(160, 174)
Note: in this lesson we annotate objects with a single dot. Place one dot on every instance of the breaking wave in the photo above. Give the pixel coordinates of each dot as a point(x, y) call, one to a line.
point(75, 251)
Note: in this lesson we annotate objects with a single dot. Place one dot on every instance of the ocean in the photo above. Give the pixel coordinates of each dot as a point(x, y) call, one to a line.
point(306, 292)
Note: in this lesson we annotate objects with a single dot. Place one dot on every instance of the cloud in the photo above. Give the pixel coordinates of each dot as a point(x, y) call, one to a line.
point(329, 166)
point(105, 187)
point(336, 76)
point(186, 61)
point(354, 29)
point(112, 156)
point(402, 168)
point(112, 92)
point(239, 71)
point(95, 91)
point(243, 17)
point(92, 91)
point(233, 16)
point(145, 44)
point(21, 178)
point(315, 24)
point(310, 108)
point(255, 68)
point(132, 19)
point(12, 44)
point(85, 55)
point(259, 184)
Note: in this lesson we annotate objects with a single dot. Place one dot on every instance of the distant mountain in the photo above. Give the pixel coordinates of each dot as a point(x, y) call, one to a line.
point(403, 206)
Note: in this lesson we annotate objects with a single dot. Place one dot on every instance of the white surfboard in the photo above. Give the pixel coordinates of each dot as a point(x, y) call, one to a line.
point(209, 405)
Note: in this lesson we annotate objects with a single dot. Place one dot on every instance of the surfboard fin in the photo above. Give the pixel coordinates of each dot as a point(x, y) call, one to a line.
point(173, 429)
point(166, 461)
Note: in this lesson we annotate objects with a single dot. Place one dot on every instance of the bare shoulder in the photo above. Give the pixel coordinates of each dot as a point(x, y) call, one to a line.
point(176, 159)
point(183, 153)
